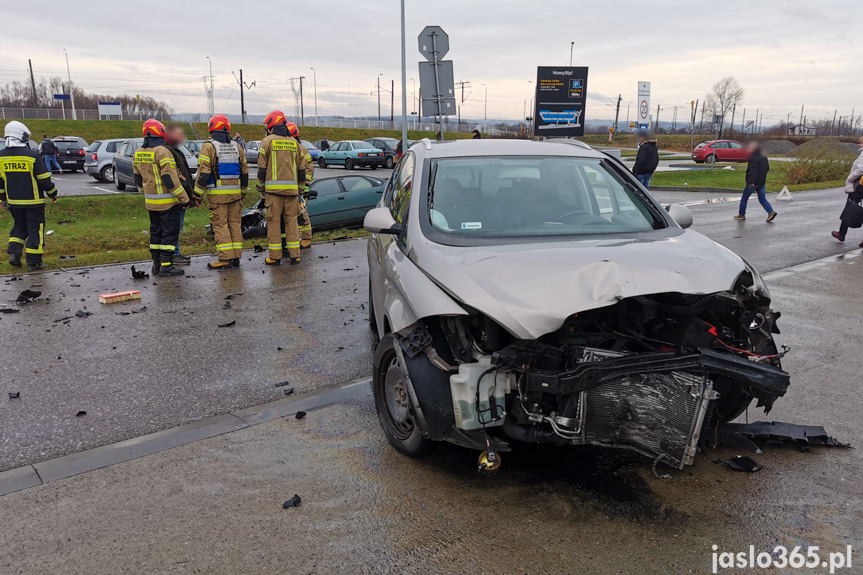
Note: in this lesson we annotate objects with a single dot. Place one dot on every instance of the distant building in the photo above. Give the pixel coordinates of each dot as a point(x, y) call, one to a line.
point(801, 130)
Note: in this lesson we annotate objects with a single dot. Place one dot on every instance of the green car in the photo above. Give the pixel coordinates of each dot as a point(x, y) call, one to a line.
point(343, 201)
point(352, 153)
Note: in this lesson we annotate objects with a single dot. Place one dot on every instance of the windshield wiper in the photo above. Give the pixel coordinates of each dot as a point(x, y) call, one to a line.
point(432, 177)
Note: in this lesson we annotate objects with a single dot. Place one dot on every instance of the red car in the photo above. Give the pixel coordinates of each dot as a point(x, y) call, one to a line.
point(720, 151)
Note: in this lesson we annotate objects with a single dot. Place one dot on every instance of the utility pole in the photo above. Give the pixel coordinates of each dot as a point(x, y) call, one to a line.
point(833, 122)
point(404, 84)
point(656, 128)
point(379, 98)
point(302, 111)
point(315, 79)
point(627, 113)
point(743, 123)
point(617, 113)
point(242, 100)
point(801, 117)
point(71, 87)
point(33, 84)
point(485, 111)
point(733, 111)
point(461, 85)
point(208, 89)
point(392, 100)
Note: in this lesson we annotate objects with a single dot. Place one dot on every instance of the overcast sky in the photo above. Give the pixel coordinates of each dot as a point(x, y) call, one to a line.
point(784, 53)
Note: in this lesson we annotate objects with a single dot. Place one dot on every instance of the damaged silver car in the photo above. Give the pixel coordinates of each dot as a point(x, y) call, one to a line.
point(535, 292)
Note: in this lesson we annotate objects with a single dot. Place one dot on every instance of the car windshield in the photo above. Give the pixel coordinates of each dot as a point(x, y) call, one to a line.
point(309, 146)
point(67, 145)
point(503, 196)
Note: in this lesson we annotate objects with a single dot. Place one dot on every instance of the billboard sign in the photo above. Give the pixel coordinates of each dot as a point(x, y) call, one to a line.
point(643, 109)
point(561, 92)
point(110, 109)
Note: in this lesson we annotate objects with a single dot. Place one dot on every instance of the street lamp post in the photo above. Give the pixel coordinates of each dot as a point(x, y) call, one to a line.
point(379, 100)
point(404, 85)
point(71, 88)
point(571, 46)
point(315, 79)
point(414, 98)
point(485, 111)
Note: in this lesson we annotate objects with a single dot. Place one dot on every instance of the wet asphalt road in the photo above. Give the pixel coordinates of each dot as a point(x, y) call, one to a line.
point(171, 365)
point(215, 506)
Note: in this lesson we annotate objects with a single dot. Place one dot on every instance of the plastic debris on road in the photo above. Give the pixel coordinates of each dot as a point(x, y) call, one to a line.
point(292, 502)
point(28, 295)
point(743, 463)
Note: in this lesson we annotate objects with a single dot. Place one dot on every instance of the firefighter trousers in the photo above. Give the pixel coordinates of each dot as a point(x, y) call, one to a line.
point(28, 233)
point(164, 234)
point(228, 233)
point(279, 208)
point(305, 225)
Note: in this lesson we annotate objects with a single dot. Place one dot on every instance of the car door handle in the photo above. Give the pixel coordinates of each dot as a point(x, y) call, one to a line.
point(379, 192)
point(341, 198)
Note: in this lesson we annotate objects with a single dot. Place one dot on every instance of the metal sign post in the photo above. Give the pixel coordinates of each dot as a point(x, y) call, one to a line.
point(437, 85)
point(62, 98)
point(644, 105)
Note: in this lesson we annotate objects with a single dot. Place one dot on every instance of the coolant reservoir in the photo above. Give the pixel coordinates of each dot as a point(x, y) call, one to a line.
point(464, 386)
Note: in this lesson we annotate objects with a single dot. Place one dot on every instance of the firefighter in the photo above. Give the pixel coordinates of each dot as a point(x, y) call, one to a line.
point(223, 174)
point(303, 221)
point(157, 177)
point(279, 172)
point(24, 183)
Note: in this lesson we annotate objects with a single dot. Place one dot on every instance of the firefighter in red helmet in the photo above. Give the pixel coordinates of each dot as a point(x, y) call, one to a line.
point(280, 173)
point(303, 220)
point(223, 174)
point(157, 177)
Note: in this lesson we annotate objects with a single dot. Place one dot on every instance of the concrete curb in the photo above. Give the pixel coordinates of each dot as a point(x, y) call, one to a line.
point(694, 189)
point(82, 462)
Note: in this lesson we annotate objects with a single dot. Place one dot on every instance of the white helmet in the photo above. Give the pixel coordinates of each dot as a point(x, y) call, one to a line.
point(18, 131)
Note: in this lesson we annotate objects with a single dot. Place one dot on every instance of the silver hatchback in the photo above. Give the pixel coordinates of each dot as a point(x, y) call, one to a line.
point(99, 159)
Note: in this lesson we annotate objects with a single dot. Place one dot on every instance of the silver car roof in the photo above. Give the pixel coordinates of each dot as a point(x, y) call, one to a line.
point(427, 149)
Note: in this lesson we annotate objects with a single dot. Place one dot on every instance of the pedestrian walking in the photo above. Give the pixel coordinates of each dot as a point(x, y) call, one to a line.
point(50, 153)
point(24, 183)
point(756, 181)
point(325, 144)
point(223, 174)
point(174, 136)
point(646, 159)
point(279, 173)
point(240, 140)
point(854, 190)
point(156, 176)
point(476, 135)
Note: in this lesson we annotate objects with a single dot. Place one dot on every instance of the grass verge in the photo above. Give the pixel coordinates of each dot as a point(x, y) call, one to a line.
point(115, 229)
point(733, 179)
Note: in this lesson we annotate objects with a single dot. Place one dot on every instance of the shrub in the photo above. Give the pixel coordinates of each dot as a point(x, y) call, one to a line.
point(815, 165)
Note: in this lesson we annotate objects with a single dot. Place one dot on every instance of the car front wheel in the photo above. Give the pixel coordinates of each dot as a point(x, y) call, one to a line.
point(393, 404)
point(322, 163)
point(117, 183)
point(349, 164)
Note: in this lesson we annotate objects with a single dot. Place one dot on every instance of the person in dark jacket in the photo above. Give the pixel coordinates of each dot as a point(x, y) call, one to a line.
point(49, 154)
point(756, 181)
point(646, 159)
point(174, 136)
point(325, 144)
point(476, 135)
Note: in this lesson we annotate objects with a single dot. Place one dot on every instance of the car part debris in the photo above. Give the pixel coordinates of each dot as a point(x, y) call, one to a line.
point(119, 296)
point(229, 324)
point(9, 310)
point(81, 313)
point(300, 414)
point(14, 395)
point(49, 233)
point(292, 502)
point(289, 391)
point(140, 310)
point(233, 295)
point(743, 463)
point(809, 435)
point(81, 414)
point(489, 462)
point(227, 305)
point(283, 384)
point(28, 296)
point(67, 258)
point(259, 249)
point(139, 274)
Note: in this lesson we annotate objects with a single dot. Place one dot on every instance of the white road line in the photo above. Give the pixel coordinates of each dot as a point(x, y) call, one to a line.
point(807, 266)
point(107, 190)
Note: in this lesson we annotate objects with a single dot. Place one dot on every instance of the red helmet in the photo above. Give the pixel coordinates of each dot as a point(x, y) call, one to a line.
point(219, 122)
point(293, 130)
point(154, 128)
point(274, 118)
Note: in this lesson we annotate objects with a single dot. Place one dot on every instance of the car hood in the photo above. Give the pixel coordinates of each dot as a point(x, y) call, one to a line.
point(530, 289)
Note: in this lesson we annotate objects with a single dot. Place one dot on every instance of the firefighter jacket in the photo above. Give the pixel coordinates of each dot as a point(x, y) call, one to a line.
point(308, 165)
point(157, 177)
point(280, 165)
point(223, 173)
point(24, 179)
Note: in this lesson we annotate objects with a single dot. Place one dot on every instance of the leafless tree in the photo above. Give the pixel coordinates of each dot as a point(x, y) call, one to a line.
point(725, 94)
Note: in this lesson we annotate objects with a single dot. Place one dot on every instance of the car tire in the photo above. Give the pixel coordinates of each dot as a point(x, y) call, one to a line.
point(390, 163)
point(392, 403)
point(322, 163)
point(711, 159)
point(349, 164)
point(106, 174)
point(117, 183)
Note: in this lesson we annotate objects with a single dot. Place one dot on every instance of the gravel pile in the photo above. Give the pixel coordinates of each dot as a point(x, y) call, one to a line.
point(778, 147)
point(823, 146)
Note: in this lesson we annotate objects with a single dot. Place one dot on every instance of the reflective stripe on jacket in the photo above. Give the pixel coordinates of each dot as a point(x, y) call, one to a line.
point(280, 159)
point(24, 179)
point(219, 177)
point(160, 180)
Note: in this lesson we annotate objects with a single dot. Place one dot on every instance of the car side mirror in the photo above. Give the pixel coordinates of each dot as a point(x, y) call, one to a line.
point(381, 221)
point(680, 214)
point(313, 194)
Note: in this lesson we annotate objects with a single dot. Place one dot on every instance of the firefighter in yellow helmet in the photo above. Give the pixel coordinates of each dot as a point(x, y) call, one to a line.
point(156, 176)
point(280, 173)
point(223, 174)
point(303, 221)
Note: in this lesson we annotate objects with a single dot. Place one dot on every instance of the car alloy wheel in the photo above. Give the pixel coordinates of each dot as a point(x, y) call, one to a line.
point(107, 174)
point(117, 183)
point(390, 162)
point(349, 164)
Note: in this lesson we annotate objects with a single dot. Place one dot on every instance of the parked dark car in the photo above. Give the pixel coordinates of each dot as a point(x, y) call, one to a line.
point(71, 153)
point(195, 146)
point(388, 147)
point(123, 171)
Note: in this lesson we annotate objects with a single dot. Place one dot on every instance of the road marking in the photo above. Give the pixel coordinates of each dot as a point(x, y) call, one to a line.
point(808, 266)
point(107, 190)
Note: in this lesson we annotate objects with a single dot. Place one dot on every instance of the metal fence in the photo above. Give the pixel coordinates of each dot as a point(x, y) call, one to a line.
point(66, 114)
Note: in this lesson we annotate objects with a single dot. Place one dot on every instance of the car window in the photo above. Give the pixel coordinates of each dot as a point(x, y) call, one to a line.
point(735, 145)
point(94, 147)
point(534, 197)
point(362, 146)
point(402, 188)
point(64, 146)
point(722, 145)
point(357, 184)
point(111, 147)
point(309, 146)
point(326, 187)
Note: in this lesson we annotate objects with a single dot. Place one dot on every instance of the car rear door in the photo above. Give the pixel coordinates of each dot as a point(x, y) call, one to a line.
point(736, 152)
point(329, 206)
point(364, 194)
point(723, 152)
point(123, 164)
